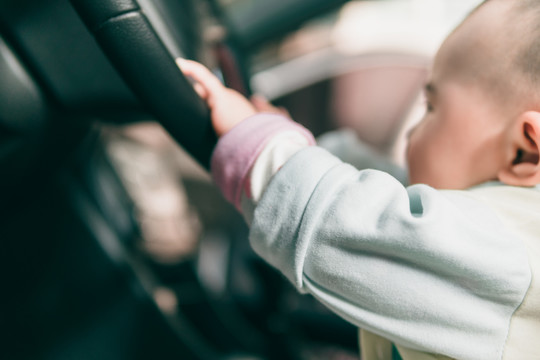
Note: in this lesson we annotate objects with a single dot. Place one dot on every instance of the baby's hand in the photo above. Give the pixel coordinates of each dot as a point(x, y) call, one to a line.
point(227, 106)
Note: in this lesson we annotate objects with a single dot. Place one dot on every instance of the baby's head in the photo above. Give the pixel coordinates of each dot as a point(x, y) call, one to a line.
point(483, 102)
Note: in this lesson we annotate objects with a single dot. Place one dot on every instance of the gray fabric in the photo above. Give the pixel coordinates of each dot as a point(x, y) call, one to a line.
point(434, 271)
point(344, 144)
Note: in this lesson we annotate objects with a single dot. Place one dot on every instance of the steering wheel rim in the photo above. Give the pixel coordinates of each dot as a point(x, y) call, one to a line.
point(134, 48)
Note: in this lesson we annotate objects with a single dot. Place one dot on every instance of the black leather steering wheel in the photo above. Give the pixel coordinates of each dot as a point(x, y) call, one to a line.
point(129, 40)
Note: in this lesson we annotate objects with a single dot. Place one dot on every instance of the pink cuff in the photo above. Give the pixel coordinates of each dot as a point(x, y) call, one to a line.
point(238, 149)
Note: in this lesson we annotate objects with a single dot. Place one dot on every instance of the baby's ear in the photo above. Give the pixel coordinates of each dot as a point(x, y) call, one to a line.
point(523, 166)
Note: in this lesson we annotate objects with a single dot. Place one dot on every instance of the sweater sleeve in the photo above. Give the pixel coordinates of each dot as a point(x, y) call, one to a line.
point(434, 271)
point(238, 150)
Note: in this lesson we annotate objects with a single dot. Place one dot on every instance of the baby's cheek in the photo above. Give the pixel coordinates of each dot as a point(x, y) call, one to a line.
point(418, 158)
point(414, 146)
point(412, 164)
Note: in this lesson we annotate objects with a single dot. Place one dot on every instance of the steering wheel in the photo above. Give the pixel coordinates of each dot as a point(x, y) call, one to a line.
point(135, 49)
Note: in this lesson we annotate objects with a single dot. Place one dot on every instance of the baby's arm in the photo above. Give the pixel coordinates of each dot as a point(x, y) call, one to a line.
point(430, 270)
point(271, 136)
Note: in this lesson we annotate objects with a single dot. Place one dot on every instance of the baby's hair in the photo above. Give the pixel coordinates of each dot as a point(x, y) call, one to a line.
point(528, 57)
point(526, 14)
point(523, 24)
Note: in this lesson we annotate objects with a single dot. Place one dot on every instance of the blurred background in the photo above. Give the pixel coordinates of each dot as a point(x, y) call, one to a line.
point(124, 248)
point(368, 61)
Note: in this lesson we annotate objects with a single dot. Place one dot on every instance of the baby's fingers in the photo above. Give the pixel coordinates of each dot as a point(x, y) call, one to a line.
point(207, 84)
point(262, 105)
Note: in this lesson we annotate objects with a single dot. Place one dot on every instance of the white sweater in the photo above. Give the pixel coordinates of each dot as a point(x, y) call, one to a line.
point(449, 273)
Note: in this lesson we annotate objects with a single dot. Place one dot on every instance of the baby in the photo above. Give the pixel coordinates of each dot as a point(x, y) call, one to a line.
point(448, 267)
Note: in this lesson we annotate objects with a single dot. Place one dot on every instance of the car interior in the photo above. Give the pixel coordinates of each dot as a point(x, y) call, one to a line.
point(115, 242)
